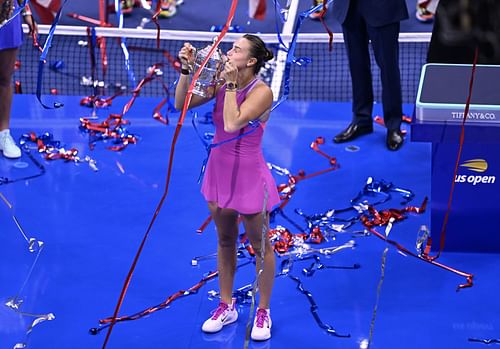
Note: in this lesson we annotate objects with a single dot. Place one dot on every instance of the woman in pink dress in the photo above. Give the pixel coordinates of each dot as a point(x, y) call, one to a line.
point(237, 182)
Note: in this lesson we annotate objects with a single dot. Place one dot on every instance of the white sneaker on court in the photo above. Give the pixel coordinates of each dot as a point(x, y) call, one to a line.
point(224, 314)
point(8, 146)
point(262, 323)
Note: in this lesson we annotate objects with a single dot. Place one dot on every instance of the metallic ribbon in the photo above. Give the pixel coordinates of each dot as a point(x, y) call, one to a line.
point(34, 246)
point(383, 264)
point(43, 59)
point(110, 321)
point(384, 217)
point(114, 126)
point(469, 277)
point(264, 236)
point(36, 163)
point(285, 271)
point(485, 341)
point(290, 58)
point(123, 43)
point(383, 189)
point(53, 150)
point(107, 322)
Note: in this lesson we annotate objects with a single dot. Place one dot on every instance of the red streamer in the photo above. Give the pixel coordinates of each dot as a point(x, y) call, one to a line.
point(469, 277)
point(287, 190)
point(383, 217)
point(459, 154)
point(380, 120)
point(380, 218)
point(90, 20)
point(164, 304)
point(321, 18)
point(169, 171)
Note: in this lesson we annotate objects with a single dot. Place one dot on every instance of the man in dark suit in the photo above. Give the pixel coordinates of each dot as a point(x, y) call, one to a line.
point(377, 21)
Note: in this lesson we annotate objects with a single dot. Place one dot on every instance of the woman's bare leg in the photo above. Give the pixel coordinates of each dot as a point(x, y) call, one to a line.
point(226, 221)
point(254, 225)
point(7, 61)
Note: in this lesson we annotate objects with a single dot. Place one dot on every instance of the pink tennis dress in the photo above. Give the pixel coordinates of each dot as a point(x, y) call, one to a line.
point(236, 175)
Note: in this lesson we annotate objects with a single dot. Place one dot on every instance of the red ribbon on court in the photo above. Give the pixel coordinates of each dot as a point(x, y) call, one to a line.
point(382, 218)
point(97, 101)
point(287, 190)
point(109, 128)
point(380, 120)
point(169, 171)
point(182, 293)
point(315, 147)
point(469, 277)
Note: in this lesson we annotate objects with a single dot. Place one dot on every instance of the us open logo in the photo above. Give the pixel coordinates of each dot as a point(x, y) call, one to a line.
point(475, 165)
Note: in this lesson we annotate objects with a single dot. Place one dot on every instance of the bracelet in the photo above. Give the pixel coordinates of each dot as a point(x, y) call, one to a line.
point(185, 71)
point(231, 86)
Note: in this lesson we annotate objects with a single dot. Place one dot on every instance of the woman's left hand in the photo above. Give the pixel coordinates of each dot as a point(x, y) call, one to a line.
point(230, 73)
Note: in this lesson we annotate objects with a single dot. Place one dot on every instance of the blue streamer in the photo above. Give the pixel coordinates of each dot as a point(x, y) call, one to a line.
point(209, 146)
point(93, 59)
point(278, 14)
point(123, 43)
point(286, 267)
point(290, 58)
point(43, 59)
point(382, 189)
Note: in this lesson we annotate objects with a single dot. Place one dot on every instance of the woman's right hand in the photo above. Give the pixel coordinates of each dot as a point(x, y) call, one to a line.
point(186, 55)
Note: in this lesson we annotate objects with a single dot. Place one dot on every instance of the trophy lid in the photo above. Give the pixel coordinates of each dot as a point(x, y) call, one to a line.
point(216, 55)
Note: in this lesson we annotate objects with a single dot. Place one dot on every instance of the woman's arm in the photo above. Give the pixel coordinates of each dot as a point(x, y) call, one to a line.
point(30, 21)
point(256, 104)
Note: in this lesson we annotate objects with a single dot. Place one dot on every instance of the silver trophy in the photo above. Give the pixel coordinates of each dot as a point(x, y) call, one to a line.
point(209, 76)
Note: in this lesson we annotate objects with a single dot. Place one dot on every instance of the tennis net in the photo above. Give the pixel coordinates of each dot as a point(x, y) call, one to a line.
point(68, 70)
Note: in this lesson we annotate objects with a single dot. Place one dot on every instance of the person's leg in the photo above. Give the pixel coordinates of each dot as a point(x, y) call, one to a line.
point(7, 61)
point(257, 228)
point(386, 49)
point(254, 226)
point(8, 147)
point(226, 221)
point(356, 42)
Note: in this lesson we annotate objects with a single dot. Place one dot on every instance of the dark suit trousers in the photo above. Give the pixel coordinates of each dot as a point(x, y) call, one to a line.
point(384, 39)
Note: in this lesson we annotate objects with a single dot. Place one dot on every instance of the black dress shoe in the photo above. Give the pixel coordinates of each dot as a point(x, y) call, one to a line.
point(352, 131)
point(394, 139)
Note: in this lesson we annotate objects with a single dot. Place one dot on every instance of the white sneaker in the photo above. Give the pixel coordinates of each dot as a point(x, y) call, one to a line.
point(224, 315)
point(262, 323)
point(8, 146)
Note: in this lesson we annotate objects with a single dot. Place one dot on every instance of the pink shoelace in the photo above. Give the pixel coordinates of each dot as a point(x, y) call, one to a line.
point(220, 309)
point(261, 317)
